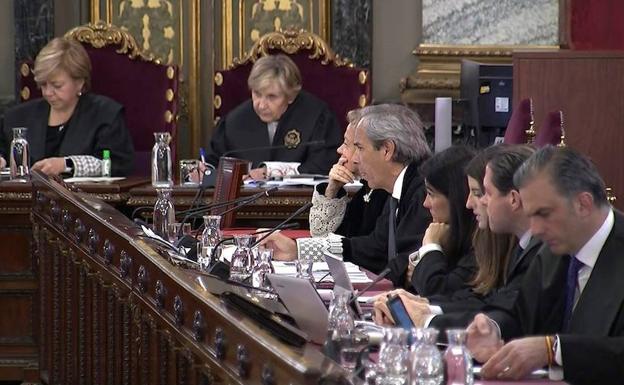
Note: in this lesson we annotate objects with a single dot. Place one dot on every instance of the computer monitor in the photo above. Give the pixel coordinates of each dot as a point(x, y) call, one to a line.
point(488, 89)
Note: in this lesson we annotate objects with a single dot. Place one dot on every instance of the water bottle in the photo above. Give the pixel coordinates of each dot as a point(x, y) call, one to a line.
point(240, 266)
point(393, 357)
point(106, 164)
point(210, 238)
point(426, 365)
point(164, 213)
point(261, 268)
point(19, 160)
point(457, 358)
point(162, 176)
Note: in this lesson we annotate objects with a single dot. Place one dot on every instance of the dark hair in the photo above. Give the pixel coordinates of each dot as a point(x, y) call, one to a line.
point(492, 251)
point(504, 164)
point(570, 172)
point(445, 172)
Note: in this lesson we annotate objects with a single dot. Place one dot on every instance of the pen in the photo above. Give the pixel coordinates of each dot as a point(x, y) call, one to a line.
point(202, 154)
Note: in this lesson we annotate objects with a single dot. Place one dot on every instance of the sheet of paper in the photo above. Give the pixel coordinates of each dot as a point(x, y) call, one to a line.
point(93, 179)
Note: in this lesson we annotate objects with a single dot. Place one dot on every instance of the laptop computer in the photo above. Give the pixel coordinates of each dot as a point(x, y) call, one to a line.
point(304, 305)
point(341, 278)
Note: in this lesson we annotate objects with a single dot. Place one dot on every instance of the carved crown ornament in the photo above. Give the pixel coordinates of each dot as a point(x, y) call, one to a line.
point(101, 34)
point(292, 41)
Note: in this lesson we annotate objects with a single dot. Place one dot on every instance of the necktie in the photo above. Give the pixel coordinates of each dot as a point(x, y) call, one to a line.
point(571, 285)
point(392, 228)
point(513, 259)
point(272, 127)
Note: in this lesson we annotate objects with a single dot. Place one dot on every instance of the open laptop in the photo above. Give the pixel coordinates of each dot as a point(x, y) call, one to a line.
point(304, 305)
point(341, 278)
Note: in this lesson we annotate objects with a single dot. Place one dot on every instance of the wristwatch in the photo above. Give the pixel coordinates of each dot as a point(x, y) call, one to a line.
point(69, 166)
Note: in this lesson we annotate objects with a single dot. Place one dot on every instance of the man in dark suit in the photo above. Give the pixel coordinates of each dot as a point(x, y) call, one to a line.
point(390, 146)
point(504, 216)
point(572, 299)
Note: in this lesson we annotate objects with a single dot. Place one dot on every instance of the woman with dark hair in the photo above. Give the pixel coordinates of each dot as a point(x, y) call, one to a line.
point(445, 262)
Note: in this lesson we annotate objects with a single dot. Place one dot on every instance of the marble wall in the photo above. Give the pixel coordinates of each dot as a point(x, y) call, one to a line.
point(500, 22)
point(351, 30)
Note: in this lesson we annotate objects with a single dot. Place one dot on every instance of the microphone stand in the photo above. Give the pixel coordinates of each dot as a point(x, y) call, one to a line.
point(381, 276)
point(284, 222)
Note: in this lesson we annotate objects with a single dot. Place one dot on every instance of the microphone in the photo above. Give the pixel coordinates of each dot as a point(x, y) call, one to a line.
point(274, 147)
point(239, 202)
point(381, 276)
point(191, 242)
point(282, 224)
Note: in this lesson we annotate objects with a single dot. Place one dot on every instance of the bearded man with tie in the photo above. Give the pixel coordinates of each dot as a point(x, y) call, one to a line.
point(571, 303)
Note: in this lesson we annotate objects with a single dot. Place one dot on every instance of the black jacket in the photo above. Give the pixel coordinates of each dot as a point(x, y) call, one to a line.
point(97, 124)
point(461, 307)
point(371, 251)
point(307, 117)
point(593, 349)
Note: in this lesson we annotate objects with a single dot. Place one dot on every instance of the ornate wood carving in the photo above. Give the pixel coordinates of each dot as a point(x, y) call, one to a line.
point(178, 311)
point(161, 293)
point(125, 263)
point(108, 251)
point(198, 326)
point(243, 361)
point(292, 41)
point(100, 35)
point(142, 279)
point(268, 375)
point(94, 239)
point(79, 230)
point(220, 344)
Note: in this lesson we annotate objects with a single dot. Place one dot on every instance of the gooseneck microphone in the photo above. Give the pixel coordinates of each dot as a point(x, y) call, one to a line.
point(381, 276)
point(274, 147)
point(282, 224)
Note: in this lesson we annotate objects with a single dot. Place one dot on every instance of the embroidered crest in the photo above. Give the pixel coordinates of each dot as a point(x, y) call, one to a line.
point(292, 139)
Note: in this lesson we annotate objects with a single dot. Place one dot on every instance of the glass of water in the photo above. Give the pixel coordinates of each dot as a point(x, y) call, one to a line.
point(304, 268)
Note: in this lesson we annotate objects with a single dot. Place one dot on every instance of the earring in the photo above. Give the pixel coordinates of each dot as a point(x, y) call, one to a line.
point(79, 93)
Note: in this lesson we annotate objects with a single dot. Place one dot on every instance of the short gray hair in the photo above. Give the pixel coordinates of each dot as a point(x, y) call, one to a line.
point(570, 172)
point(400, 125)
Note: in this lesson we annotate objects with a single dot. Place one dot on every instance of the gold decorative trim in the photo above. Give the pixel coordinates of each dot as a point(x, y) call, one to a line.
point(362, 77)
point(562, 138)
point(169, 94)
point(25, 70)
point(475, 50)
point(170, 72)
point(292, 41)
point(168, 116)
point(101, 34)
point(362, 101)
point(217, 102)
point(25, 93)
point(530, 132)
point(218, 79)
point(14, 196)
point(435, 83)
point(611, 198)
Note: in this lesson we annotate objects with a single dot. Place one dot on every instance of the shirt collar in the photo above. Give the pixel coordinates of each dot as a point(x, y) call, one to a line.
point(588, 254)
point(398, 185)
point(525, 239)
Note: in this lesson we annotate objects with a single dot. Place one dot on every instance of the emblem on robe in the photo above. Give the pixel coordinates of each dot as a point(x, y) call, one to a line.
point(292, 139)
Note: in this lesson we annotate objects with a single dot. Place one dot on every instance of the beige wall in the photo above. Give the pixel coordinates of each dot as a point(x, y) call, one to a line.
point(396, 32)
point(7, 51)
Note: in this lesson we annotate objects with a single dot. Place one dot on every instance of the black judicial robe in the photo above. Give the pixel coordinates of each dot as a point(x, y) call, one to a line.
point(306, 119)
point(593, 349)
point(97, 124)
point(461, 307)
point(371, 251)
point(360, 216)
point(437, 274)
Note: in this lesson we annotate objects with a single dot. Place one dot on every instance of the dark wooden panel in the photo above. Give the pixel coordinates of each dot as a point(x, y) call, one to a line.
point(587, 87)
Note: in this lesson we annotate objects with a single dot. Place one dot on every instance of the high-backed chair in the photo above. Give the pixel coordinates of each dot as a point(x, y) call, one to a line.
point(551, 130)
point(229, 178)
point(326, 75)
point(146, 88)
point(520, 123)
